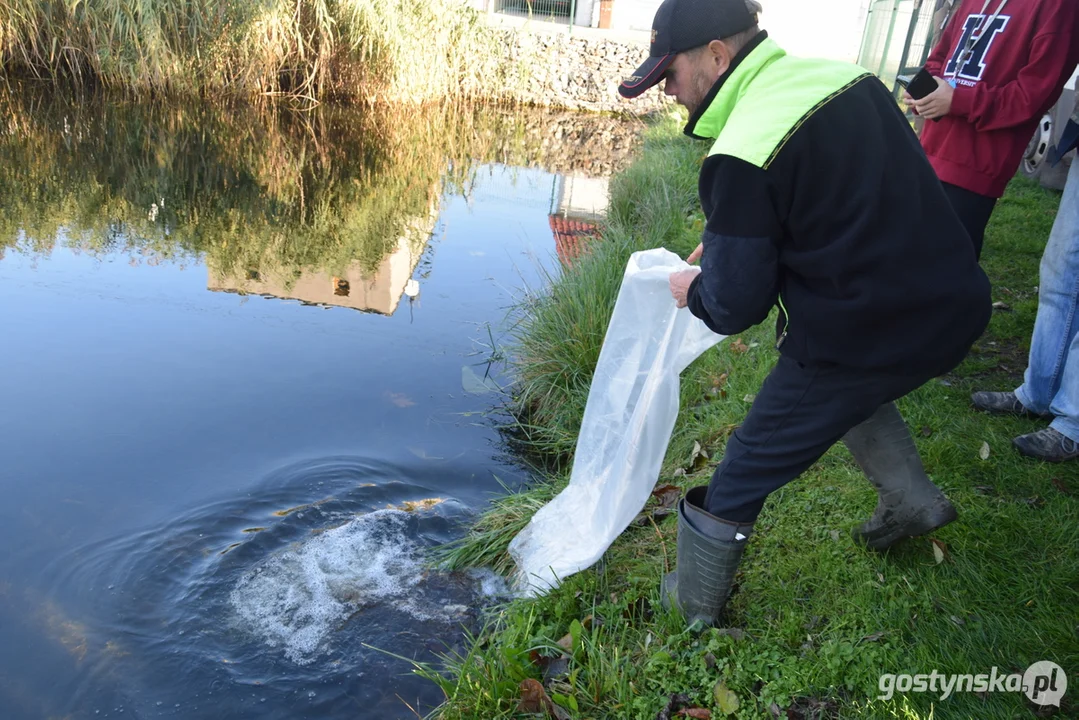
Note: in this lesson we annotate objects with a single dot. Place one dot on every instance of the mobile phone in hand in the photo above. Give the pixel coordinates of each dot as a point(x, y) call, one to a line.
point(921, 84)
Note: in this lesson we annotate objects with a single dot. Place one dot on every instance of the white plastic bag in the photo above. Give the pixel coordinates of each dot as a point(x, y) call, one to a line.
point(631, 410)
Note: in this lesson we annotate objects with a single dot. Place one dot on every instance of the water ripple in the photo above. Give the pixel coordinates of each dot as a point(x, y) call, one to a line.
point(262, 605)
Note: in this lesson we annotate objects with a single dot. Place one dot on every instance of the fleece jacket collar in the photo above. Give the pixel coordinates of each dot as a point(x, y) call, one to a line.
point(708, 120)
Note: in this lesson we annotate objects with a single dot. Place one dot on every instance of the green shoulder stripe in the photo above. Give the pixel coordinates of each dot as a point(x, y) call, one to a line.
point(812, 111)
point(768, 97)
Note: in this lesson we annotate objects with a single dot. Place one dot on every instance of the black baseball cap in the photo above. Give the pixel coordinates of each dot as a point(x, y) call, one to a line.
point(682, 25)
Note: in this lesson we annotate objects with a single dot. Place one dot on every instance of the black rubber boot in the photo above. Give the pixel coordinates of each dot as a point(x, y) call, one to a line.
point(709, 552)
point(908, 504)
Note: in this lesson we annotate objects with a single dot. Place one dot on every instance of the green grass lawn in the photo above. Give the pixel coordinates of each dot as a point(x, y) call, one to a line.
point(815, 620)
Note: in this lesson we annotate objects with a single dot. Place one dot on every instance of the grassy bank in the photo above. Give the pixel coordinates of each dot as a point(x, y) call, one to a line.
point(815, 620)
point(353, 49)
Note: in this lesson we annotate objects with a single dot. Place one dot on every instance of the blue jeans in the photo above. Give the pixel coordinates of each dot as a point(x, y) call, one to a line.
point(1051, 381)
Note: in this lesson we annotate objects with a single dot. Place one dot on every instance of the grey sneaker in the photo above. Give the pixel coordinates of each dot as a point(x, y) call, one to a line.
point(1002, 403)
point(1048, 445)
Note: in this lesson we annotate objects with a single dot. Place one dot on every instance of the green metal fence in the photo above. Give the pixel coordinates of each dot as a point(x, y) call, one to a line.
point(898, 37)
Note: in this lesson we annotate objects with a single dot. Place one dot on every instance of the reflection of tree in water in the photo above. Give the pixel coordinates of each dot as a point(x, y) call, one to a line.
point(242, 187)
point(252, 190)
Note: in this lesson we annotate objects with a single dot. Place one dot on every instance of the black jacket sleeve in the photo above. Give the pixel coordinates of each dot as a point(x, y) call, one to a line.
point(739, 279)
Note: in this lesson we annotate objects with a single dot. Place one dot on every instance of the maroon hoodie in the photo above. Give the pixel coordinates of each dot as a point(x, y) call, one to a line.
point(1013, 71)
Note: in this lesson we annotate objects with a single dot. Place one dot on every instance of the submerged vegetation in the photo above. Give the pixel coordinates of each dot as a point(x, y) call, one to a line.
point(413, 50)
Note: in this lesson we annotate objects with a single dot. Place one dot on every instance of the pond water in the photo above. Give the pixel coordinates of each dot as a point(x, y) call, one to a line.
point(249, 376)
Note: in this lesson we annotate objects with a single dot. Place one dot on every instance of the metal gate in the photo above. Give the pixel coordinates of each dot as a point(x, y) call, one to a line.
point(898, 37)
point(548, 10)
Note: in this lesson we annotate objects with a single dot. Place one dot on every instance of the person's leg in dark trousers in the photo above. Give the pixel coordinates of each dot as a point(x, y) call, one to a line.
point(974, 211)
point(799, 413)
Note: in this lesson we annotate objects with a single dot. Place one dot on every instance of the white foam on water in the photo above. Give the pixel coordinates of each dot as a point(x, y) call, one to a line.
point(491, 584)
point(298, 596)
point(295, 598)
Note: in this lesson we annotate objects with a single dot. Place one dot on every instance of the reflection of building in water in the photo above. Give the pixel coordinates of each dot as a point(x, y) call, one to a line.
point(378, 292)
point(577, 204)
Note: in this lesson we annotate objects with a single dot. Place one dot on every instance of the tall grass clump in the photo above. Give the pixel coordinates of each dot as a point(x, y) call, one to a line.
point(368, 50)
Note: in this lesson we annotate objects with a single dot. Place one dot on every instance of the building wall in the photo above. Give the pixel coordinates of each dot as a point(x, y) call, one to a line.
point(582, 197)
point(379, 292)
point(579, 68)
point(811, 28)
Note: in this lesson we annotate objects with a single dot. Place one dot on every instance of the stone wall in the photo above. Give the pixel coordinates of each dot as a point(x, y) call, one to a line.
point(573, 72)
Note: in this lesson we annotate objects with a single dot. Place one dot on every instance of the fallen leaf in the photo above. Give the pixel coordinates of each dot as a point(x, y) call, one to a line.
point(926, 431)
point(720, 381)
point(675, 702)
point(726, 700)
point(699, 457)
point(647, 517)
point(940, 550)
point(680, 472)
point(873, 637)
point(534, 700)
point(774, 709)
point(592, 621)
point(738, 346)
point(667, 496)
point(958, 620)
point(984, 452)
point(1001, 306)
point(566, 643)
point(834, 534)
point(1059, 485)
point(699, 713)
point(749, 398)
point(710, 661)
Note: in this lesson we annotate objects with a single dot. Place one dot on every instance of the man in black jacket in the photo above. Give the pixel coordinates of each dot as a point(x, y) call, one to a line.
point(819, 199)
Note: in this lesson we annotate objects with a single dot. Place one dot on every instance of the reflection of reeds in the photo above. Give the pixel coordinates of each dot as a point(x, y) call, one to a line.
point(364, 49)
point(248, 188)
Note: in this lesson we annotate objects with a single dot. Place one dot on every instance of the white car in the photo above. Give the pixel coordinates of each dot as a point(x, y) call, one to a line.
point(1035, 163)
